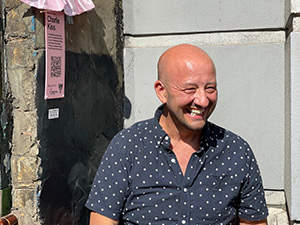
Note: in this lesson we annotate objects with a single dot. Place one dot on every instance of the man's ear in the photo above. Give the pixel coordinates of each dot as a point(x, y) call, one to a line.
point(160, 91)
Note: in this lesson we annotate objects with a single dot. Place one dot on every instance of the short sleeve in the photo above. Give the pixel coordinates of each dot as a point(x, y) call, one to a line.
point(252, 200)
point(110, 186)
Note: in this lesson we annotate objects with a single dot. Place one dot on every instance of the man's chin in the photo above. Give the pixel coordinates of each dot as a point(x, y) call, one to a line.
point(196, 127)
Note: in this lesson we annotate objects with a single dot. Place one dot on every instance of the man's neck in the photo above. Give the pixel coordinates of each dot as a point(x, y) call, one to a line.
point(180, 134)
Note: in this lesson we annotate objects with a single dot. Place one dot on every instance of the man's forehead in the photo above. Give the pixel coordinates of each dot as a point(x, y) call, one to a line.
point(183, 58)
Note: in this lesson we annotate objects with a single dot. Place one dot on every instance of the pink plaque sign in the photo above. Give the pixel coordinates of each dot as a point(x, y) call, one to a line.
point(55, 54)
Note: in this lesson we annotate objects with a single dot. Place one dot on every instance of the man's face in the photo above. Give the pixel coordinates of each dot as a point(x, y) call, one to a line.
point(191, 94)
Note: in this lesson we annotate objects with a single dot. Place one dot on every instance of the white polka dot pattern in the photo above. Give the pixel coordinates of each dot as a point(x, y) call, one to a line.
point(140, 182)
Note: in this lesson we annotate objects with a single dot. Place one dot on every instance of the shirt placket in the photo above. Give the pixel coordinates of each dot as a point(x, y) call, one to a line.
point(185, 202)
point(192, 170)
point(183, 182)
point(183, 185)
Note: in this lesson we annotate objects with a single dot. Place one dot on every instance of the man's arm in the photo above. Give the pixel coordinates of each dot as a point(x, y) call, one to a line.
point(98, 219)
point(247, 222)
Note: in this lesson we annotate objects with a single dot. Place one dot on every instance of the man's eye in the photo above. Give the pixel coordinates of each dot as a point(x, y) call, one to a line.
point(211, 89)
point(189, 90)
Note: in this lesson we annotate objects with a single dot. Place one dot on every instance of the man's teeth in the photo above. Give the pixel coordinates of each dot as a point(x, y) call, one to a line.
point(195, 112)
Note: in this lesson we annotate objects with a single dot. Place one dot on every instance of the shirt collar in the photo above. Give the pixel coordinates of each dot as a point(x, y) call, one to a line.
point(161, 137)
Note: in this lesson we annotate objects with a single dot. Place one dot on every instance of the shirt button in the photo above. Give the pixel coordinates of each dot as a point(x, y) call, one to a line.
point(183, 221)
point(173, 160)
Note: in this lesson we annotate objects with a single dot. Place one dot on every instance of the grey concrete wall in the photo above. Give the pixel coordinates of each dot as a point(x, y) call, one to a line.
point(292, 184)
point(53, 162)
point(169, 16)
point(295, 6)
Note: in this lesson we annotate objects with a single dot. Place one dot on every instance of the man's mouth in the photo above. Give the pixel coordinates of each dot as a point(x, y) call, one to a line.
point(196, 112)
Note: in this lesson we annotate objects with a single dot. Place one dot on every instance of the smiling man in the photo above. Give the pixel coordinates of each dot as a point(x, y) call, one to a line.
point(179, 168)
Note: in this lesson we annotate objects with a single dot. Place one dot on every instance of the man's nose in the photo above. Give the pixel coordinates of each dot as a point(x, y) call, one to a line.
point(201, 98)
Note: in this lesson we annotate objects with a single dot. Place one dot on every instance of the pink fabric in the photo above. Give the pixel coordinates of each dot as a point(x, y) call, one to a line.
point(70, 7)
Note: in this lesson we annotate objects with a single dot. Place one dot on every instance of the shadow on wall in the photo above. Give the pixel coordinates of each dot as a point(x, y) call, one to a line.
point(127, 107)
point(72, 145)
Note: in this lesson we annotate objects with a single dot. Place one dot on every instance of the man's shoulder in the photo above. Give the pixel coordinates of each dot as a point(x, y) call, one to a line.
point(139, 126)
point(142, 124)
point(137, 129)
point(225, 134)
point(135, 137)
point(229, 144)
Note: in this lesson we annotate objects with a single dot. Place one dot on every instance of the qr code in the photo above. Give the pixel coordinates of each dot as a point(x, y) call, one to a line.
point(55, 66)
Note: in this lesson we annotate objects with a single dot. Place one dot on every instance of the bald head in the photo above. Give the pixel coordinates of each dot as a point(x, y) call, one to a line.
point(181, 56)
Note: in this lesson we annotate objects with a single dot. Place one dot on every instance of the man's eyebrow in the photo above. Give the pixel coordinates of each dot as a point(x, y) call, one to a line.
point(214, 83)
point(190, 84)
point(195, 84)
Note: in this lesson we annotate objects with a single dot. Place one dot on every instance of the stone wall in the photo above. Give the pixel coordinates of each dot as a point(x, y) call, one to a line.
point(20, 87)
point(53, 162)
point(5, 136)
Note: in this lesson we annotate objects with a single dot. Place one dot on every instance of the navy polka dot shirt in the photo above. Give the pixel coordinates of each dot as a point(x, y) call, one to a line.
point(139, 180)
